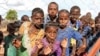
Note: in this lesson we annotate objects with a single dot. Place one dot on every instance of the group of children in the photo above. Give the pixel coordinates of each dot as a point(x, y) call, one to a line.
point(60, 33)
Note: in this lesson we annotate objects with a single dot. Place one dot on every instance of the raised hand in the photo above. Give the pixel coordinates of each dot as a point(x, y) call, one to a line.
point(39, 44)
point(16, 43)
point(81, 49)
point(64, 43)
point(47, 50)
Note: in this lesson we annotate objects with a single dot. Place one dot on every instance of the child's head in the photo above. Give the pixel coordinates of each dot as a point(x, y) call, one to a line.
point(11, 28)
point(24, 18)
point(92, 23)
point(1, 37)
point(52, 9)
point(97, 22)
point(75, 13)
point(88, 14)
point(84, 21)
point(51, 30)
point(37, 17)
point(63, 18)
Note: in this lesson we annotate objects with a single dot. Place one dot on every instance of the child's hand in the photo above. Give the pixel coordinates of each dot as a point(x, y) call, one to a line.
point(39, 44)
point(81, 49)
point(16, 43)
point(47, 50)
point(64, 43)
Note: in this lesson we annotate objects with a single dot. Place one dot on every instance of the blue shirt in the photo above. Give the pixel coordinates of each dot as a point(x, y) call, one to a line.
point(47, 19)
point(77, 25)
point(68, 32)
point(86, 31)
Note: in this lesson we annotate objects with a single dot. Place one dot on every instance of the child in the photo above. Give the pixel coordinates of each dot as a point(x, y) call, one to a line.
point(20, 50)
point(95, 35)
point(24, 18)
point(74, 17)
point(85, 31)
point(52, 12)
point(65, 31)
point(51, 47)
point(1, 44)
point(32, 31)
point(9, 48)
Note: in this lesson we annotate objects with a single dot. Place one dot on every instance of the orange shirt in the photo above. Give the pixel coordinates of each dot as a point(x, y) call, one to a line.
point(32, 37)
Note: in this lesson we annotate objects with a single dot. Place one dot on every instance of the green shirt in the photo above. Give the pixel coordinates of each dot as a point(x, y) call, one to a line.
point(8, 44)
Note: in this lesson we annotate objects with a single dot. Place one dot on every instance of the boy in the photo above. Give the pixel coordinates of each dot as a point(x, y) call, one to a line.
point(65, 31)
point(32, 31)
point(74, 17)
point(24, 18)
point(52, 12)
point(9, 48)
point(20, 50)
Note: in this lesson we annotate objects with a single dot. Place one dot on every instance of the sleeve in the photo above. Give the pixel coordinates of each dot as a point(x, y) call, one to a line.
point(21, 29)
point(85, 31)
point(76, 35)
point(11, 51)
point(58, 51)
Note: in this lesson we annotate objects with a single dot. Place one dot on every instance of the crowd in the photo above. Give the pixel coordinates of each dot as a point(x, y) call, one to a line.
point(59, 33)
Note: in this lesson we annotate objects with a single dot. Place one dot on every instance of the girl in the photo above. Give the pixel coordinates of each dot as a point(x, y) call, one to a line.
point(51, 47)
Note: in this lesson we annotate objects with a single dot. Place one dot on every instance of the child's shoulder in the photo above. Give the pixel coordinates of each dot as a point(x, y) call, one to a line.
point(26, 23)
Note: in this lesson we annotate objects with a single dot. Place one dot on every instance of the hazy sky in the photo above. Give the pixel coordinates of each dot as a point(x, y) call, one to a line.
point(24, 7)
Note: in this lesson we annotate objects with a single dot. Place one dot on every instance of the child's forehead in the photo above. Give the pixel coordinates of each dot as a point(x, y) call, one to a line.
point(63, 14)
point(37, 14)
point(52, 28)
point(76, 10)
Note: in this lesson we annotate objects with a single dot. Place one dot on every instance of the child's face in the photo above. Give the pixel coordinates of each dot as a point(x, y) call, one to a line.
point(75, 14)
point(52, 10)
point(26, 18)
point(51, 32)
point(37, 19)
point(63, 19)
point(98, 24)
point(88, 15)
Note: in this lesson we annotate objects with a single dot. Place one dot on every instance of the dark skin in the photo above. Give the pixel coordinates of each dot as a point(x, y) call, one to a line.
point(51, 36)
point(74, 15)
point(52, 11)
point(35, 26)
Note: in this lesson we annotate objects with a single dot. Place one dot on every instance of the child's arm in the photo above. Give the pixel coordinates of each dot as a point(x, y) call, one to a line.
point(2, 48)
point(73, 50)
point(39, 45)
point(36, 52)
point(64, 46)
point(82, 47)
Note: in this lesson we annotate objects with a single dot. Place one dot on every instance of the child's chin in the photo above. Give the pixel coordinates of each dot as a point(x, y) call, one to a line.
point(52, 38)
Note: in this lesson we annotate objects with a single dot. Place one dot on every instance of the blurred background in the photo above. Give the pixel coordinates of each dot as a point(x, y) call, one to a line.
point(24, 7)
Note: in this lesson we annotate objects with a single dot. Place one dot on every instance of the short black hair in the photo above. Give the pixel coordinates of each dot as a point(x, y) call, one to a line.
point(11, 27)
point(22, 18)
point(37, 10)
point(73, 8)
point(63, 10)
point(19, 37)
point(97, 18)
point(1, 37)
point(53, 3)
point(51, 24)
